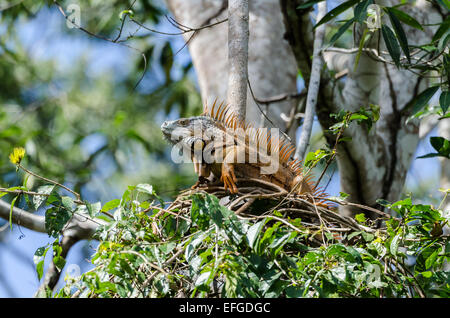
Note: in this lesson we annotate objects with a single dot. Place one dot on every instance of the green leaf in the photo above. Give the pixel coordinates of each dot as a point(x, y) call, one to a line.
point(59, 262)
point(368, 237)
point(93, 208)
point(67, 202)
point(38, 259)
point(38, 200)
point(427, 274)
point(361, 218)
point(360, 11)
point(294, 291)
point(308, 4)
point(445, 116)
point(343, 195)
point(192, 245)
point(340, 31)
point(40, 269)
point(401, 36)
point(393, 248)
point(358, 117)
point(446, 63)
point(145, 188)
point(55, 220)
point(110, 205)
point(442, 44)
point(253, 232)
point(278, 243)
point(444, 101)
point(391, 43)
point(199, 214)
point(444, 3)
point(353, 234)
point(166, 60)
point(365, 36)
point(383, 202)
point(354, 253)
point(431, 259)
point(443, 28)
point(11, 211)
point(441, 145)
point(202, 278)
point(405, 18)
point(336, 11)
point(310, 258)
point(428, 48)
point(126, 12)
point(422, 99)
point(54, 199)
point(379, 248)
point(429, 155)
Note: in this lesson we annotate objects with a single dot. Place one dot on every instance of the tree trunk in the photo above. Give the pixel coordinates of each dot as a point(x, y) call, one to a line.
point(238, 33)
point(271, 63)
point(373, 165)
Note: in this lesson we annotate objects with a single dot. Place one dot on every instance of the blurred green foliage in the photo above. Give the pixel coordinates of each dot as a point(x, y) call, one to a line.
point(77, 124)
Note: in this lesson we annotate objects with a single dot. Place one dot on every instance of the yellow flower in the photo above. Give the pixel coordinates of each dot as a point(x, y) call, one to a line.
point(17, 155)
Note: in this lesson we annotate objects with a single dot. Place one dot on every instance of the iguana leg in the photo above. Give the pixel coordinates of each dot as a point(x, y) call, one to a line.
point(228, 177)
point(203, 170)
point(201, 180)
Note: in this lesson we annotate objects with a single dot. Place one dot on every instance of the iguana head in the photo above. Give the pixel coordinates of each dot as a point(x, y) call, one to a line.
point(188, 131)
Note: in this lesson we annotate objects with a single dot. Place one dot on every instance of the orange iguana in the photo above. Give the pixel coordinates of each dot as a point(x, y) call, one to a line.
point(222, 147)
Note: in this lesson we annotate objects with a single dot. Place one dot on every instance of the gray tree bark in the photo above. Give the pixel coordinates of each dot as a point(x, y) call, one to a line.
point(238, 34)
point(271, 63)
point(314, 84)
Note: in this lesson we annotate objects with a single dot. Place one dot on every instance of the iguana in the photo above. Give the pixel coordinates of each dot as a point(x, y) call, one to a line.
point(223, 147)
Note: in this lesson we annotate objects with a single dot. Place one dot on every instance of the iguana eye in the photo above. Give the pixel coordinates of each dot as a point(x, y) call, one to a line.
point(183, 122)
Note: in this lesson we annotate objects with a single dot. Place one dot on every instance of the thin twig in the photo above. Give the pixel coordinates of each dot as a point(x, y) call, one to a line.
point(116, 41)
point(50, 181)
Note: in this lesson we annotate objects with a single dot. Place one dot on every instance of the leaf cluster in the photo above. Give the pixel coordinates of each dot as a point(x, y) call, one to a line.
point(206, 250)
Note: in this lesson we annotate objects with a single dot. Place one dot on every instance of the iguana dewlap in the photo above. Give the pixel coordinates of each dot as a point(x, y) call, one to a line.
point(224, 148)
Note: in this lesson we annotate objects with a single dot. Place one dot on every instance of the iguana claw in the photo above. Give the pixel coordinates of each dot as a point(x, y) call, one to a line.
point(201, 180)
point(229, 178)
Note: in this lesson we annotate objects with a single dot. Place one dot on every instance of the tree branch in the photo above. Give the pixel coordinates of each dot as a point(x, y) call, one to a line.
point(116, 40)
point(280, 98)
point(238, 34)
point(299, 34)
point(78, 228)
point(23, 218)
point(314, 84)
